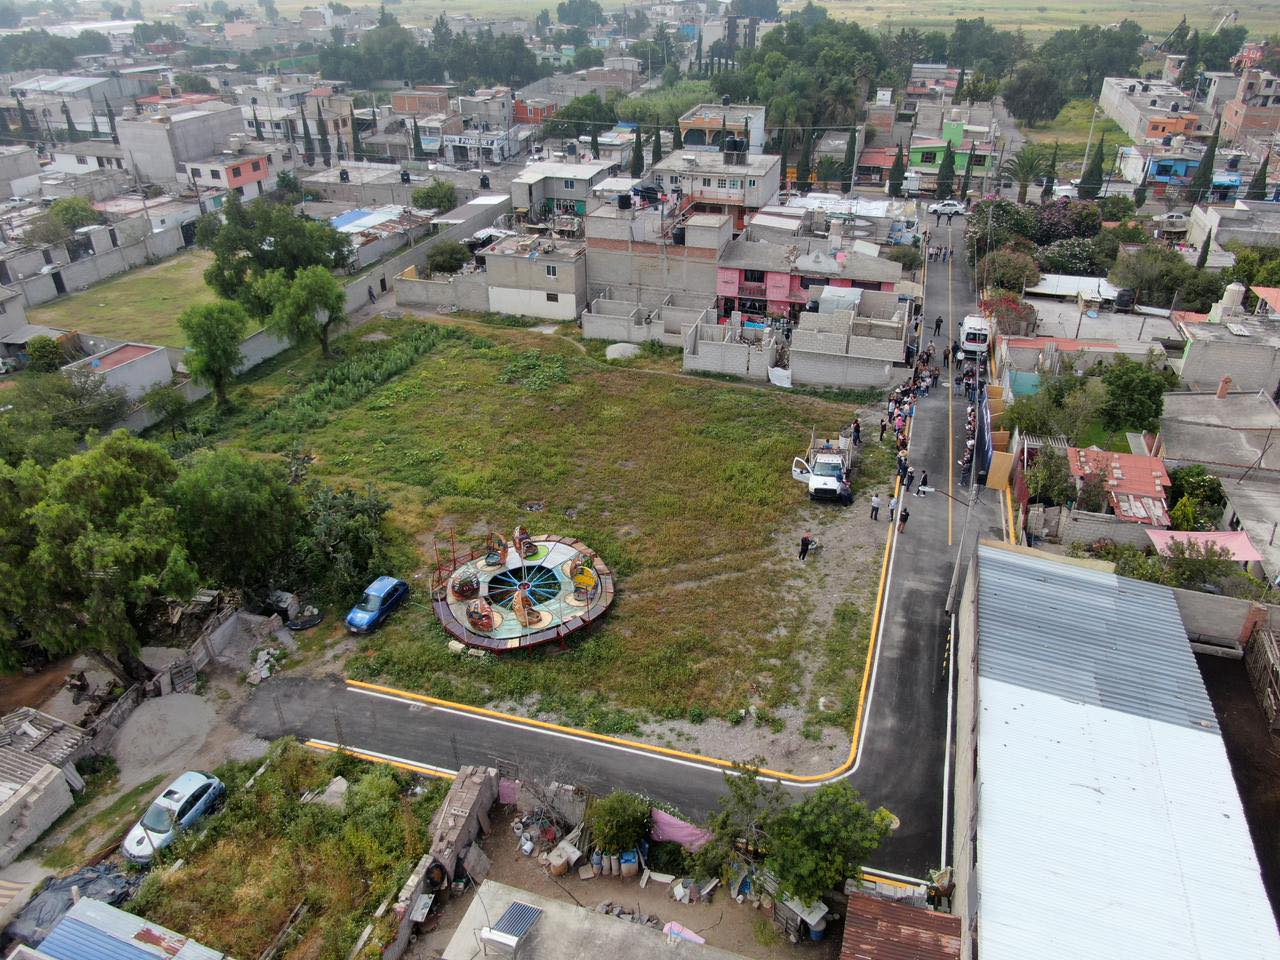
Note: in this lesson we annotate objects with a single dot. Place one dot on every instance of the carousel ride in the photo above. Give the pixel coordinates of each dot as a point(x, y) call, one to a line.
point(521, 594)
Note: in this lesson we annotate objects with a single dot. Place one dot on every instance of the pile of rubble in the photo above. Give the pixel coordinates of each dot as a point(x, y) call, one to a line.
point(264, 664)
point(609, 908)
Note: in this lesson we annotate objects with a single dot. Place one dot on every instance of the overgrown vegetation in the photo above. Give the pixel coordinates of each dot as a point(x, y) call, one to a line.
point(266, 853)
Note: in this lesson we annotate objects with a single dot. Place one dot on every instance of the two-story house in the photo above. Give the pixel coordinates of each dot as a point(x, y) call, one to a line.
point(763, 279)
point(544, 189)
point(735, 183)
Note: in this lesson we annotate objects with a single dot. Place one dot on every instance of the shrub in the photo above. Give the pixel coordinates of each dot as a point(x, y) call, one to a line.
point(439, 195)
point(1008, 270)
point(1009, 310)
point(45, 355)
point(1076, 256)
point(908, 256)
point(620, 821)
point(447, 257)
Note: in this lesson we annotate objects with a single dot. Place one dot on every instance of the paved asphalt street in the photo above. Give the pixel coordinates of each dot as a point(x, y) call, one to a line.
point(901, 763)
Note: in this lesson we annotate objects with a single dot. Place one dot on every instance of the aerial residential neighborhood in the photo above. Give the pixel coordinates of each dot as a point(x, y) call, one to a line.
point(708, 479)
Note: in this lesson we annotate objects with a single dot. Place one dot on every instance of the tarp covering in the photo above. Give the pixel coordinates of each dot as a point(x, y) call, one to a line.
point(780, 376)
point(105, 882)
point(667, 827)
point(1235, 542)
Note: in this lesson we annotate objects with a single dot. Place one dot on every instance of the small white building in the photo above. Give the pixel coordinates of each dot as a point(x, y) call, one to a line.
point(133, 367)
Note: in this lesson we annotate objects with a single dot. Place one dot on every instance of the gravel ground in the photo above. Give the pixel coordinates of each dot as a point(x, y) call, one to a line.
point(162, 734)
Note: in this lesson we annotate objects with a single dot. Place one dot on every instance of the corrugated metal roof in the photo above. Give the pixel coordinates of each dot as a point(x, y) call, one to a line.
point(1108, 820)
point(53, 740)
point(1088, 636)
point(879, 929)
point(92, 930)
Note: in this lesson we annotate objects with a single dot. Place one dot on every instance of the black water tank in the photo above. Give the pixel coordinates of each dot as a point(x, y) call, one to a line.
point(725, 101)
point(624, 201)
point(343, 176)
point(404, 176)
point(1166, 140)
point(677, 236)
point(484, 181)
point(1233, 163)
point(571, 148)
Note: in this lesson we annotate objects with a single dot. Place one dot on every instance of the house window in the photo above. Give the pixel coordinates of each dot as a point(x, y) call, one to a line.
point(215, 174)
point(552, 271)
point(721, 183)
point(753, 276)
point(195, 173)
point(256, 165)
point(83, 161)
point(807, 282)
point(979, 159)
point(553, 298)
point(751, 183)
point(658, 180)
point(570, 184)
point(234, 172)
point(675, 178)
point(929, 156)
point(706, 181)
point(735, 184)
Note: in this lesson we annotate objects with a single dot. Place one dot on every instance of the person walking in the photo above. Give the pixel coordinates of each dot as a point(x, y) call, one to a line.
point(884, 425)
point(937, 326)
point(903, 516)
point(875, 506)
point(805, 543)
point(893, 507)
point(924, 482)
point(857, 432)
point(909, 479)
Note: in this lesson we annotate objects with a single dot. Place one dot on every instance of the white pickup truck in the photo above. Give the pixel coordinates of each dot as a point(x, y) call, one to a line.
point(825, 468)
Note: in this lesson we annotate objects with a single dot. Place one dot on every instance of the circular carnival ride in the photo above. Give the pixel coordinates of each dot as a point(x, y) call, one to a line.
point(522, 594)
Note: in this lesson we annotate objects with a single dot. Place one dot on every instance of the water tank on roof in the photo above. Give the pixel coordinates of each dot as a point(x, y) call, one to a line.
point(404, 176)
point(1173, 107)
point(343, 176)
point(1166, 140)
point(484, 181)
point(1133, 88)
point(571, 148)
point(1233, 296)
point(1233, 163)
point(624, 201)
point(677, 236)
point(725, 101)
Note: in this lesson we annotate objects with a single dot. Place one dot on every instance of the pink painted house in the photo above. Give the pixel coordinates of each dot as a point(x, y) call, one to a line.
point(776, 280)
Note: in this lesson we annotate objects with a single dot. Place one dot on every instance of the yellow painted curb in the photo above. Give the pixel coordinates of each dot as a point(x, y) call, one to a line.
point(411, 767)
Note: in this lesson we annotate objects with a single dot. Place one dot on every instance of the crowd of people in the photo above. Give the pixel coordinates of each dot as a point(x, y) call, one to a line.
point(940, 254)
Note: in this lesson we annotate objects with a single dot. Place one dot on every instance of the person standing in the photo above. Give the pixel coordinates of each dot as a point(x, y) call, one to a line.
point(857, 432)
point(903, 516)
point(805, 543)
point(924, 482)
point(937, 326)
point(884, 425)
point(909, 479)
point(875, 506)
point(893, 507)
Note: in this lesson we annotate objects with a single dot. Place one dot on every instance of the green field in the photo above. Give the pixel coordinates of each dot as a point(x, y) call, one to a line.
point(141, 305)
point(682, 484)
point(1070, 129)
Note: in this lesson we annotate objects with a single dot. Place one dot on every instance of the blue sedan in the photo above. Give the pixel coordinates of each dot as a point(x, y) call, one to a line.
point(380, 598)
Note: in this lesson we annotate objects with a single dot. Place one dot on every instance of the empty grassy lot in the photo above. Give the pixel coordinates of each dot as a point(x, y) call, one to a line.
point(682, 484)
point(140, 305)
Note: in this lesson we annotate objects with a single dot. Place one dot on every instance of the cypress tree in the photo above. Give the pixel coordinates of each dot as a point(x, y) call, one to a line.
point(72, 132)
point(1204, 251)
point(946, 174)
point(1258, 185)
point(849, 166)
point(1202, 181)
point(111, 122)
point(1191, 66)
point(699, 53)
point(356, 148)
point(677, 142)
point(897, 173)
point(804, 166)
point(968, 171)
point(1051, 176)
point(257, 125)
point(94, 132)
point(418, 152)
point(637, 156)
point(657, 146)
point(959, 94)
point(1091, 181)
point(308, 145)
point(326, 153)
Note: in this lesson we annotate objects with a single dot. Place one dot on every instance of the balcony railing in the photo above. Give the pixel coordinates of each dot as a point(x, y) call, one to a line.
point(746, 289)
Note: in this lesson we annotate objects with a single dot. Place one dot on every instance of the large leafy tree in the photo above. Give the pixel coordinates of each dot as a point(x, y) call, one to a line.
point(1135, 395)
point(214, 332)
point(1024, 166)
point(1034, 93)
point(105, 544)
point(308, 306)
point(438, 195)
point(817, 844)
point(341, 541)
point(48, 414)
point(226, 501)
point(262, 237)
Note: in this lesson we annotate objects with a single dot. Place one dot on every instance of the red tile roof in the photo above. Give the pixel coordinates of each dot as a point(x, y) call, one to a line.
point(877, 157)
point(877, 929)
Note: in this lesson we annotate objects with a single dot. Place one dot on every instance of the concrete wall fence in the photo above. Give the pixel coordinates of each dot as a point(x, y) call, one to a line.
point(711, 348)
point(819, 369)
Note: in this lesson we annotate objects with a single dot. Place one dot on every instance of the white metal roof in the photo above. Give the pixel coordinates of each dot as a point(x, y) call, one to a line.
point(1061, 285)
point(585, 170)
point(1109, 825)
